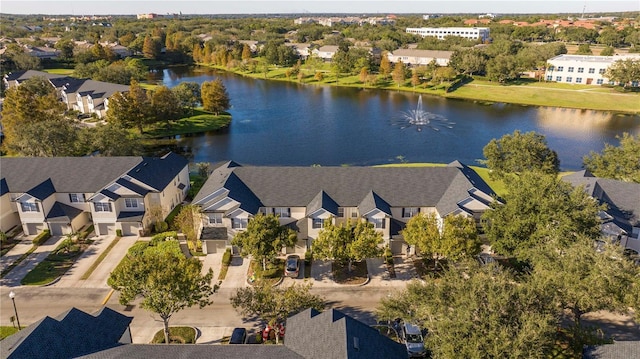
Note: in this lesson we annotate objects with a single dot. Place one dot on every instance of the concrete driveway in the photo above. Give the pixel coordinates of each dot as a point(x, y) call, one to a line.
point(13, 278)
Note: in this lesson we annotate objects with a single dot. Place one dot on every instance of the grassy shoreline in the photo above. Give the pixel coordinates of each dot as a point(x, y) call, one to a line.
point(525, 92)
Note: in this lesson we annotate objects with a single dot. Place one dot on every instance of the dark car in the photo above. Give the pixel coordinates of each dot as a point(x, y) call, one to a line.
point(292, 266)
point(238, 336)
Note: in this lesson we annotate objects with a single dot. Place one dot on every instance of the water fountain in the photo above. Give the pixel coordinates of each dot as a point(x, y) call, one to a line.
point(421, 118)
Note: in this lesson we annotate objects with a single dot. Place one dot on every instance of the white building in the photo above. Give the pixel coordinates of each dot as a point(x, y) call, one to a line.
point(414, 57)
point(583, 69)
point(471, 33)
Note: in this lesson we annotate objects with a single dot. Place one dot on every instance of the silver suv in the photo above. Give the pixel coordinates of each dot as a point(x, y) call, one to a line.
point(412, 337)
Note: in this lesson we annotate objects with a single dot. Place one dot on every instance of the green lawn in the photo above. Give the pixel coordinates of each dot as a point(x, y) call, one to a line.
point(6, 331)
point(177, 335)
point(201, 121)
point(54, 266)
point(65, 72)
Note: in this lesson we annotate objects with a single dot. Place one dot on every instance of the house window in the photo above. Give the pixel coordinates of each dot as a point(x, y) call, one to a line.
point(76, 197)
point(580, 70)
point(215, 218)
point(378, 223)
point(560, 68)
point(592, 70)
point(558, 78)
point(131, 202)
point(354, 213)
point(239, 223)
point(408, 212)
point(601, 71)
point(551, 68)
point(578, 80)
point(599, 81)
point(341, 212)
point(569, 79)
point(549, 78)
point(29, 207)
point(282, 212)
point(570, 69)
point(318, 223)
point(102, 206)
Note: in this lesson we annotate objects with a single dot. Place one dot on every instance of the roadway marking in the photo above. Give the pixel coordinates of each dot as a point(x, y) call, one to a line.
point(106, 299)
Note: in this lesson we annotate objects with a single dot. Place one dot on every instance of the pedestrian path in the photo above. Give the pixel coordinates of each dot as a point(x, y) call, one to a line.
point(13, 278)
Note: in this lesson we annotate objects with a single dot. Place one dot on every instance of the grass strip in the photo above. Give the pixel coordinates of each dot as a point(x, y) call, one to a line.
point(99, 260)
point(177, 335)
point(15, 264)
point(6, 331)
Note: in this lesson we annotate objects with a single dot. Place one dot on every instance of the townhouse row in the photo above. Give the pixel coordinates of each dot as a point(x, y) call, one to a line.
point(83, 95)
point(65, 194)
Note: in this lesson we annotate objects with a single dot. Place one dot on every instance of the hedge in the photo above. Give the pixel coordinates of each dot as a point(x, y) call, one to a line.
point(226, 257)
point(42, 237)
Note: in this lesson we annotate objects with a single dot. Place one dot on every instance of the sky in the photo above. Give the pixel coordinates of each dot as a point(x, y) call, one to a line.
point(123, 7)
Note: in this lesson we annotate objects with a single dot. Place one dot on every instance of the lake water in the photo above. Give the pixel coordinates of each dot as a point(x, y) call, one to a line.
point(280, 123)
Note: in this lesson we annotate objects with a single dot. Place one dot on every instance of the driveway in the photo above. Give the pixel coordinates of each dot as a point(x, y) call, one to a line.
point(13, 278)
point(236, 274)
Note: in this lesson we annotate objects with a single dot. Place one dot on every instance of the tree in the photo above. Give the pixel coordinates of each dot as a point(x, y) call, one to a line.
point(385, 65)
point(520, 152)
point(584, 49)
point(398, 73)
point(347, 243)
point(537, 208)
point(215, 97)
point(35, 122)
point(584, 280)
point(468, 62)
point(503, 68)
point(415, 78)
point(275, 304)
point(188, 94)
point(617, 162)
point(477, 311)
point(246, 53)
point(165, 104)
point(364, 73)
point(167, 283)
point(264, 238)
point(608, 51)
point(624, 72)
point(65, 46)
point(131, 109)
point(457, 239)
point(151, 47)
point(189, 222)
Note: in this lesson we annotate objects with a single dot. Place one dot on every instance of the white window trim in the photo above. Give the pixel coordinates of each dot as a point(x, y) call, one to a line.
point(131, 202)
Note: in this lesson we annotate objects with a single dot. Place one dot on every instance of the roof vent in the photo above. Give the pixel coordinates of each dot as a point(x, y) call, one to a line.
point(356, 343)
point(144, 164)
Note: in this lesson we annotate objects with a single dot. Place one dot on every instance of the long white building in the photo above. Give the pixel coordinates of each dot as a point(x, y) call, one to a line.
point(471, 33)
point(583, 69)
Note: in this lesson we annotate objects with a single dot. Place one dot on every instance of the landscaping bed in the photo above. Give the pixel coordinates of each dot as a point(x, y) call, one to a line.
point(388, 332)
point(177, 335)
point(428, 267)
point(358, 274)
point(58, 262)
point(272, 275)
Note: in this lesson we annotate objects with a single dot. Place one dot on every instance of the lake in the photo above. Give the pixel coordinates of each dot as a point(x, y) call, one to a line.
point(281, 123)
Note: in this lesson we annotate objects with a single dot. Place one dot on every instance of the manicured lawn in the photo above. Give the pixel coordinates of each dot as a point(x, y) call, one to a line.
point(65, 72)
point(358, 274)
point(200, 122)
point(177, 335)
point(6, 331)
point(497, 185)
point(551, 95)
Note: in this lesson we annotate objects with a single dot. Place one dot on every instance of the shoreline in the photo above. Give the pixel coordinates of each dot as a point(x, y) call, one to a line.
point(525, 93)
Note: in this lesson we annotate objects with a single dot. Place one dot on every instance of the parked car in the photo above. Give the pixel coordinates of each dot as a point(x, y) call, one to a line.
point(238, 336)
point(292, 266)
point(413, 340)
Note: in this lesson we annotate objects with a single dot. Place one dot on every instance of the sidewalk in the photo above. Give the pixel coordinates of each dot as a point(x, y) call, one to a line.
point(98, 279)
point(13, 278)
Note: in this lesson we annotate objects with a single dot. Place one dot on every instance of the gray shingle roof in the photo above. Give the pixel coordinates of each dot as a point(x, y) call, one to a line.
point(68, 174)
point(617, 350)
point(195, 351)
point(332, 334)
point(158, 172)
point(371, 202)
point(441, 187)
point(132, 186)
point(61, 212)
point(70, 335)
point(324, 201)
point(42, 190)
point(130, 216)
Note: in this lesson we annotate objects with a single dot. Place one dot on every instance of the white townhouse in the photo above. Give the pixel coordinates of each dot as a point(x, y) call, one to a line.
point(414, 57)
point(305, 197)
point(584, 69)
point(65, 194)
point(83, 95)
point(471, 33)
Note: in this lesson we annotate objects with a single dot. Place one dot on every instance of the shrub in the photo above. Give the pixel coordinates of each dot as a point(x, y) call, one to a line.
point(388, 256)
point(161, 226)
point(119, 232)
point(84, 234)
point(138, 248)
point(308, 256)
point(226, 257)
point(3, 237)
point(42, 237)
point(270, 273)
point(161, 237)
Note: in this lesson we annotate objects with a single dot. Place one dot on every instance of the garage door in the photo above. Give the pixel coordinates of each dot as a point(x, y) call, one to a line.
point(398, 246)
point(106, 229)
point(34, 228)
point(130, 229)
point(215, 246)
point(59, 229)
